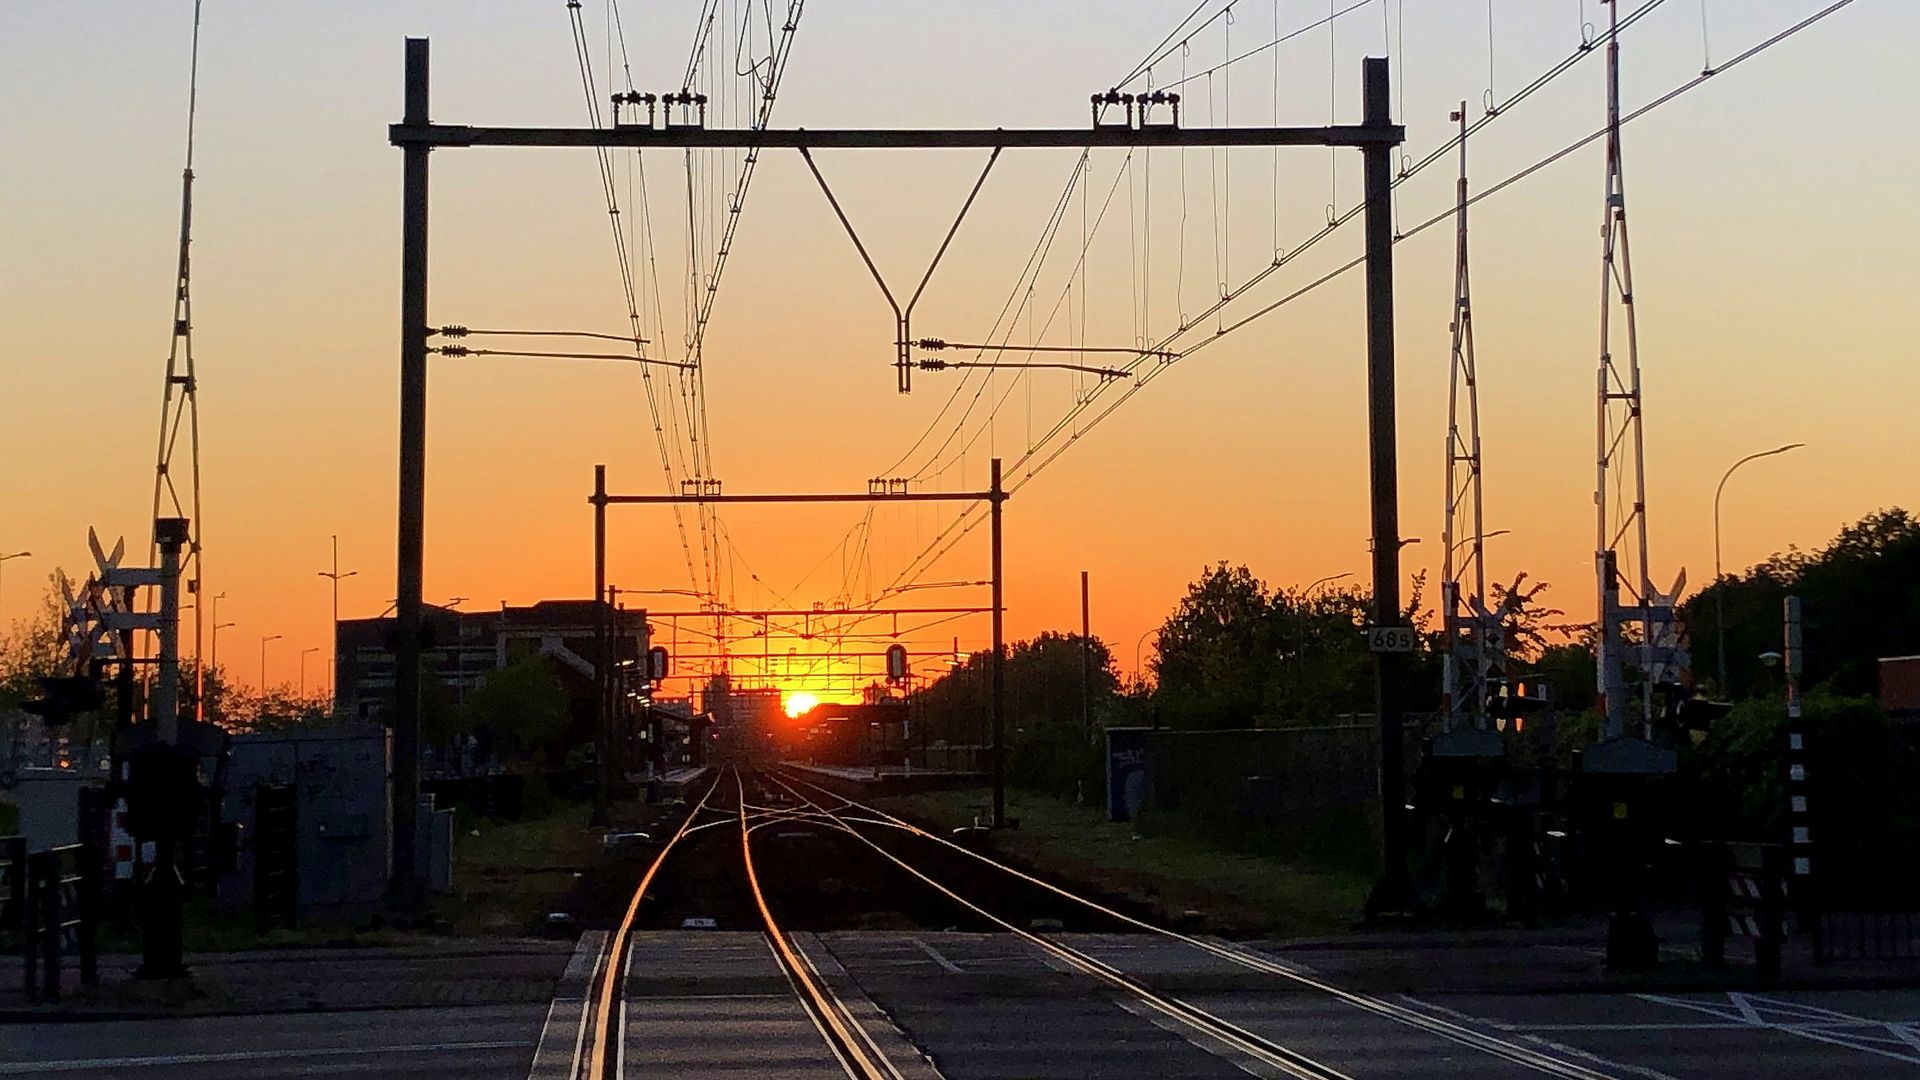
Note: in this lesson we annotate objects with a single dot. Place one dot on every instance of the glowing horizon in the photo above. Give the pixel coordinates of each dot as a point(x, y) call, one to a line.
point(1252, 451)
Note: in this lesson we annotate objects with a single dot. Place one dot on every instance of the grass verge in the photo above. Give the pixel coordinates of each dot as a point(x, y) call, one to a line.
point(507, 875)
point(1179, 879)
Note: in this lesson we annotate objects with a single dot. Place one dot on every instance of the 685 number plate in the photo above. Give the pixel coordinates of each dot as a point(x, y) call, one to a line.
point(1400, 639)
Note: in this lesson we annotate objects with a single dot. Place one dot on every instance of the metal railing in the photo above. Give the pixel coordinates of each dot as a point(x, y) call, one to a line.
point(62, 917)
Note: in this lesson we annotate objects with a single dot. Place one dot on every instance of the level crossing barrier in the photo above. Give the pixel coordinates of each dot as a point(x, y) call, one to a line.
point(1745, 896)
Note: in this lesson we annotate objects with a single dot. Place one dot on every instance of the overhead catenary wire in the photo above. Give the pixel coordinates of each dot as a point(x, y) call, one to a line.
point(603, 160)
point(986, 427)
point(1033, 463)
point(462, 350)
point(1278, 40)
point(931, 364)
point(1335, 221)
point(1010, 311)
point(464, 331)
point(937, 344)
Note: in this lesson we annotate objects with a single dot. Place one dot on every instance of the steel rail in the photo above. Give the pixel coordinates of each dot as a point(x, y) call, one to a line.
point(1489, 1044)
point(849, 1041)
point(602, 1050)
point(1269, 1053)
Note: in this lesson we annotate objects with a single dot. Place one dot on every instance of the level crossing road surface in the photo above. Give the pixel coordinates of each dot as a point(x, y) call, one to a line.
point(787, 932)
point(964, 1006)
point(477, 1041)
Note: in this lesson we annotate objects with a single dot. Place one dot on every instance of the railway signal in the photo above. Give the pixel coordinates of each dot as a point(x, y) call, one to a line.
point(65, 696)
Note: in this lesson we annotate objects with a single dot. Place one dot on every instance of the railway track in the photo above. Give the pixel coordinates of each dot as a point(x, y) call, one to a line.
point(597, 1046)
point(742, 810)
point(1508, 1050)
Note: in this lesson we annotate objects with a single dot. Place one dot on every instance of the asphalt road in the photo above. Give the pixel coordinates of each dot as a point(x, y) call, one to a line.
point(979, 1006)
point(479, 1041)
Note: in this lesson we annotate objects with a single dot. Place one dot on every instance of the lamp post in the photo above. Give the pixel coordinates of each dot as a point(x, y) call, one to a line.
point(15, 555)
point(303, 669)
point(1719, 592)
point(264, 638)
point(214, 661)
point(1328, 580)
point(1138, 674)
point(1484, 536)
point(333, 654)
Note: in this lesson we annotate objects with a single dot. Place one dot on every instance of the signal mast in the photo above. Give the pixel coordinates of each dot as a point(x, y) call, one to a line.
point(180, 401)
point(1629, 605)
point(1473, 645)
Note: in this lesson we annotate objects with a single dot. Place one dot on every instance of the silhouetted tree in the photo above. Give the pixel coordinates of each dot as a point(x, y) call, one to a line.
point(520, 711)
point(1860, 597)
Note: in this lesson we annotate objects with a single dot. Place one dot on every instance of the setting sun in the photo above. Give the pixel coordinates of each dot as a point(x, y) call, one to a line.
point(800, 702)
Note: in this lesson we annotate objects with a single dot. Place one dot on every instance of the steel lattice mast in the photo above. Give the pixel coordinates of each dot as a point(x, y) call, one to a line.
point(1621, 563)
point(180, 406)
point(1472, 640)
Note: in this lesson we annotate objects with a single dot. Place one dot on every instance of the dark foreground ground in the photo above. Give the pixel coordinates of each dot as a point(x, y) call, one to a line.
point(971, 1005)
point(942, 992)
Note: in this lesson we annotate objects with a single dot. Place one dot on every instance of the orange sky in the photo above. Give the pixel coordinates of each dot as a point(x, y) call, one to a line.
point(1772, 230)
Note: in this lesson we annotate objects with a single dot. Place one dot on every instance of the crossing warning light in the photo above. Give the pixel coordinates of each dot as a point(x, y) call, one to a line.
point(65, 696)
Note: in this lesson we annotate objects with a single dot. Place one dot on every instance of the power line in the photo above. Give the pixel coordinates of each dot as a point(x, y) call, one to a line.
point(965, 521)
point(1257, 50)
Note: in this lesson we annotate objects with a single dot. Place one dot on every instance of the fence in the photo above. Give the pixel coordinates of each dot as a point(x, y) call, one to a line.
point(1868, 935)
point(62, 916)
point(13, 883)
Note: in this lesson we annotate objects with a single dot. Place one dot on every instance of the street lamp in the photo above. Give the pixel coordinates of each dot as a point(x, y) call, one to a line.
point(15, 555)
point(303, 669)
point(1329, 579)
point(1138, 673)
point(333, 655)
point(263, 658)
point(214, 661)
point(1464, 541)
point(1719, 592)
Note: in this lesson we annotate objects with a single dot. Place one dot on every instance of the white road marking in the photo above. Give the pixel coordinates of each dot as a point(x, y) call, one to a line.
point(936, 956)
point(1526, 1033)
point(1812, 1022)
point(563, 1036)
point(1728, 1026)
point(31, 1068)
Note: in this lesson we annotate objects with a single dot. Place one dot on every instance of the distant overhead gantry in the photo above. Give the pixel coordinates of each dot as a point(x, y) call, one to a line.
point(682, 124)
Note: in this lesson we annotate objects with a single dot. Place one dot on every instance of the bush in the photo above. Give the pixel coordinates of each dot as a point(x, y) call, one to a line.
point(1863, 792)
point(1059, 760)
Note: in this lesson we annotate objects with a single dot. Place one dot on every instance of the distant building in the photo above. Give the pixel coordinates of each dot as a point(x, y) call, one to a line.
point(463, 647)
point(1900, 686)
point(834, 733)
